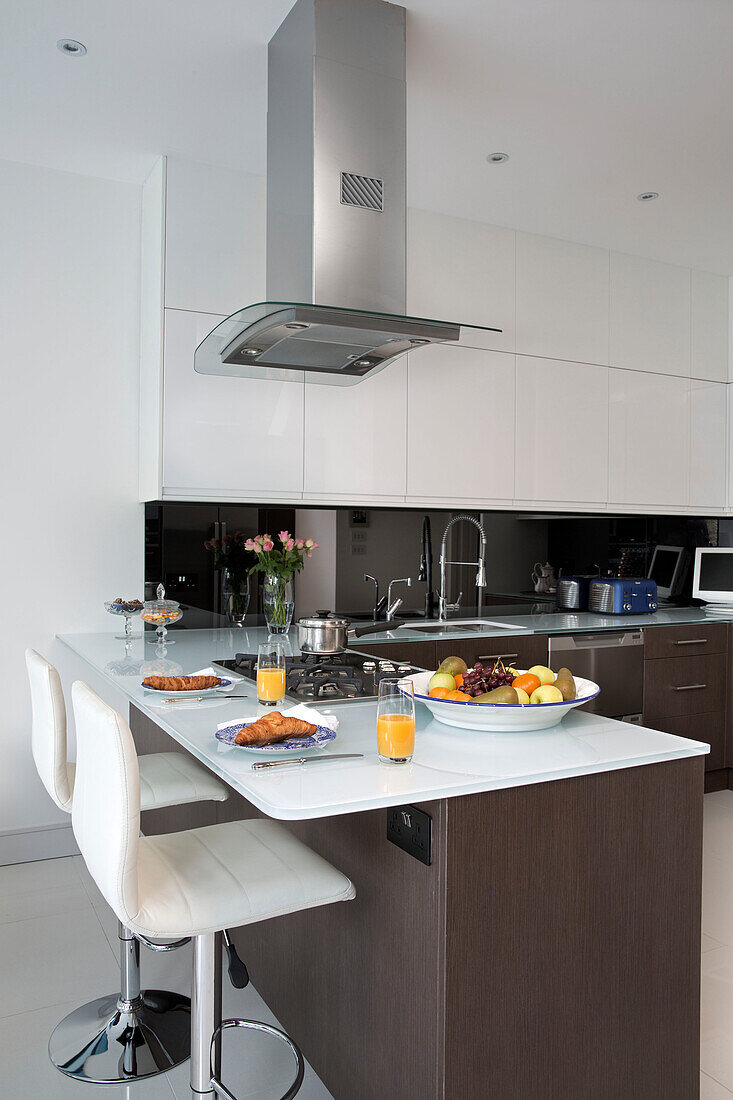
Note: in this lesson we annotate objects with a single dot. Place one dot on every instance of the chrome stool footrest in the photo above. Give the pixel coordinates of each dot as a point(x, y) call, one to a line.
point(153, 946)
point(221, 1089)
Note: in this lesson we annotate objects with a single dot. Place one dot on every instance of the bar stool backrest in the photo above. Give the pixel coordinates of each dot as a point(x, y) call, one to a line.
point(106, 811)
point(48, 729)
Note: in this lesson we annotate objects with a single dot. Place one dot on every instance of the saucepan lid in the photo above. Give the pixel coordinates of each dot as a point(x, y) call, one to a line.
point(323, 618)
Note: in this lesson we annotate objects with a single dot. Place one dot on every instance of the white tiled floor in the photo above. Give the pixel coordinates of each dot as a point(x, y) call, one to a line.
point(58, 949)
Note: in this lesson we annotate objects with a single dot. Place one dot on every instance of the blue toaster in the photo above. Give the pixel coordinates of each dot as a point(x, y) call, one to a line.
point(622, 596)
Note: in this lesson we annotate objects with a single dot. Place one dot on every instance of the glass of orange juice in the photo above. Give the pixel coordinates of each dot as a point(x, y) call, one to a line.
point(270, 673)
point(396, 721)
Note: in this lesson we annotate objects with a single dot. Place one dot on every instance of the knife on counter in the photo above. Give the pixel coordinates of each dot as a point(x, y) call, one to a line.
point(306, 760)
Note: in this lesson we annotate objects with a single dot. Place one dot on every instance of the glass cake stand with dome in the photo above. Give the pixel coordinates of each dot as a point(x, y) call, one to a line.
point(161, 613)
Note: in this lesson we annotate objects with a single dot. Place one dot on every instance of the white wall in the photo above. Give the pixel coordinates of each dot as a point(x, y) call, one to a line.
point(72, 527)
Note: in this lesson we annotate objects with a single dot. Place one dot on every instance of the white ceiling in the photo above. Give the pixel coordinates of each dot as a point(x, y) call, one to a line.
point(594, 100)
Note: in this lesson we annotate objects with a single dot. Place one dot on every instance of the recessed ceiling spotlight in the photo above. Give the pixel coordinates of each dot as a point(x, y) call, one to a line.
point(647, 196)
point(71, 47)
point(497, 158)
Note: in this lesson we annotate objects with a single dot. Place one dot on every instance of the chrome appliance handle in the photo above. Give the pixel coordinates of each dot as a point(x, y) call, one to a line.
point(691, 641)
point(497, 656)
point(690, 687)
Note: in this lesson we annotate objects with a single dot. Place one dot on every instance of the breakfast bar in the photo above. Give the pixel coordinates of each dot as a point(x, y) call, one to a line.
point(529, 948)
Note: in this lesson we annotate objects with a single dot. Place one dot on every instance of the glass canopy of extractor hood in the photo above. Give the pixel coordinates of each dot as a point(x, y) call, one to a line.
point(325, 344)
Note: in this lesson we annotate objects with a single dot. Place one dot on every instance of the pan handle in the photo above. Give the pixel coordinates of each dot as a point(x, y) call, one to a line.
point(374, 628)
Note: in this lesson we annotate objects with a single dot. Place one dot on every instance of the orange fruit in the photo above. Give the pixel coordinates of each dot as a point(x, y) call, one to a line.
point(439, 693)
point(527, 682)
point(459, 696)
point(459, 680)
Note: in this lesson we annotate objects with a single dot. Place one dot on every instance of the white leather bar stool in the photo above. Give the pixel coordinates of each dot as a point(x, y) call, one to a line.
point(194, 883)
point(135, 1033)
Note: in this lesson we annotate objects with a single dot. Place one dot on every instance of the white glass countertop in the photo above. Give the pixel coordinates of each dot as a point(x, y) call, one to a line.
point(447, 762)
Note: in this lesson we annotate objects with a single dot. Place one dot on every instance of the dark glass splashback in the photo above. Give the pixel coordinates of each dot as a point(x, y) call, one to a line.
point(387, 543)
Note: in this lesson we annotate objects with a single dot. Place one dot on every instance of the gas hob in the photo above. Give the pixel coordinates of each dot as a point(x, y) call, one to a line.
point(315, 678)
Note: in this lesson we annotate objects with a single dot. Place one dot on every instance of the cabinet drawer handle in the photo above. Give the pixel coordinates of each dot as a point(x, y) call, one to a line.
point(692, 641)
point(690, 687)
point(497, 656)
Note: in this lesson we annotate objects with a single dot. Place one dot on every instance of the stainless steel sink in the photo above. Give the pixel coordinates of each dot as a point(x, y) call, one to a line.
point(473, 626)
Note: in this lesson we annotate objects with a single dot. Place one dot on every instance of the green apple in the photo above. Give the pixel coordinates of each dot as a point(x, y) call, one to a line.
point(547, 693)
point(544, 674)
point(442, 680)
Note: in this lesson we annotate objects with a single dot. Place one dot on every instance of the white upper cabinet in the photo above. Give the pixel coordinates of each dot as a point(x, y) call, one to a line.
point(460, 442)
point(708, 444)
point(355, 436)
point(709, 326)
point(561, 432)
point(650, 315)
point(459, 270)
point(649, 439)
point(226, 438)
point(562, 299)
point(215, 238)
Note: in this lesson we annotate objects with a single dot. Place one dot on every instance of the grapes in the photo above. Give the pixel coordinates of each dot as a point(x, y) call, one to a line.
point(482, 678)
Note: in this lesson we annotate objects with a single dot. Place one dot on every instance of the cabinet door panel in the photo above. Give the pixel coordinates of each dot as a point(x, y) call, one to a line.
point(649, 439)
point(226, 436)
point(685, 640)
point(650, 315)
point(685, 685)
point(561, 431)
point(521, 650)
point(708, 444)
point(462, 271)
point(697, 727)
point(215, 238)
point(562, 299)
point(355, 436)
point(460, 424)
point(709, 326)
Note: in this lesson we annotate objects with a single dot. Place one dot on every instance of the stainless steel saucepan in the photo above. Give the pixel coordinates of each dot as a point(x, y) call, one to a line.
point(329, 635)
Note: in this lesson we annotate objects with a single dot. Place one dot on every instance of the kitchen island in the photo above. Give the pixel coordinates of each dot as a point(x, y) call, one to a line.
point(551, 947)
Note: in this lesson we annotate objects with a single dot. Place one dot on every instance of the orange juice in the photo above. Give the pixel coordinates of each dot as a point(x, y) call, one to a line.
point(395, 735)
point(270, 684)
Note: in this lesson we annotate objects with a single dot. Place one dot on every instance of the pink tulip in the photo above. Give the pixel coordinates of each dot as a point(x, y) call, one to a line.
point(268, 544)
point(315, 545)
point(249, 545)
point(284, 536)
point(290, 544)
point(299, 544)
point(309, 544)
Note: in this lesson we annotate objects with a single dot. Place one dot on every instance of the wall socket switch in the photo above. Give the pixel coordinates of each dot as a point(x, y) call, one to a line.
point(412, 830)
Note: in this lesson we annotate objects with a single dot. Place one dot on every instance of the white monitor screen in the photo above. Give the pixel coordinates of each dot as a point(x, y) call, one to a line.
point(715, 572)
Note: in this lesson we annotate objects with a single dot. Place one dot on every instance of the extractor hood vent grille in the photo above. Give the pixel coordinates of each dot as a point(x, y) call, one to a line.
point(362, 191)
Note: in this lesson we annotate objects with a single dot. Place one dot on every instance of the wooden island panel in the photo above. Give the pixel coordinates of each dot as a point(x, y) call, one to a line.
point(551, 950)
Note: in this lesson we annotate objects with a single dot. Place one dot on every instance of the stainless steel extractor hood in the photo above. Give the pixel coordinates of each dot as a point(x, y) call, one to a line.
point(336, 205)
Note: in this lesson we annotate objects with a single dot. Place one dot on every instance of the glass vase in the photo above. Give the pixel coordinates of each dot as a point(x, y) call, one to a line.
point(235, 598)
point(278, 603)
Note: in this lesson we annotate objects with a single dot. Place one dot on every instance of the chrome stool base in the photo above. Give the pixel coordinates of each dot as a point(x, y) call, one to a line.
point(221, 1090)
point(109, 1041)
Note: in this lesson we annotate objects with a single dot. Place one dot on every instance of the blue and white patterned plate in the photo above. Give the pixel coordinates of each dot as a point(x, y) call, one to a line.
point(320, 737)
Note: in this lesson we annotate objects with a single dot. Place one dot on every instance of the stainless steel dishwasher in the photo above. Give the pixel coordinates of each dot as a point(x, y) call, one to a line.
point(614, 659)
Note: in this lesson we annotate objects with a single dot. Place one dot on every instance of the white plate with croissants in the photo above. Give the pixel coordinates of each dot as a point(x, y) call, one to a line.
point(275, 732)
point(196, 685)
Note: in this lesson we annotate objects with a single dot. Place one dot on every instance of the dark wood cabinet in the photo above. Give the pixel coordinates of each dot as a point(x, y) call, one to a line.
point(687, 683)
point(419, 653)
point(521, 650)
point(685, 641)
point(698, 727)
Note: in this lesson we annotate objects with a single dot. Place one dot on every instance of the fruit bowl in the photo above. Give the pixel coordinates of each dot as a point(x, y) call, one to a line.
point(500, 717)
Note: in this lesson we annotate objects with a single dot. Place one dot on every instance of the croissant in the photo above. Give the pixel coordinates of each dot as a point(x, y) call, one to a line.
point(181, 683)
point(272, 728)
